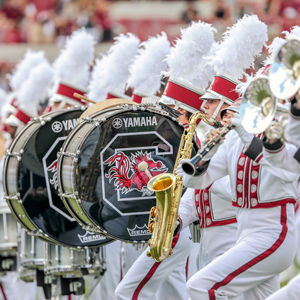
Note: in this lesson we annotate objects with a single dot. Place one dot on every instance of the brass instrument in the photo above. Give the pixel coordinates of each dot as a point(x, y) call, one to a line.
point(285, 70)
point(261, 111)
point(168, 188)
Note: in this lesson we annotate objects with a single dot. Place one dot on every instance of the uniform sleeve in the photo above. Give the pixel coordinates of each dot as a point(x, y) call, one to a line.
point(222, 189)
point(217, 168)
point(286, 158)
point(187, 209)
point(258, 151)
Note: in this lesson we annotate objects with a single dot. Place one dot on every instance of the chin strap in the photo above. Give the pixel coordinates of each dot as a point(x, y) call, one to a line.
point(213, 117)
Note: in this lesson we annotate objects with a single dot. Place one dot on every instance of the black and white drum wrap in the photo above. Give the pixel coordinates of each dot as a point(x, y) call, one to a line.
point(30, 181)
point(98, 168)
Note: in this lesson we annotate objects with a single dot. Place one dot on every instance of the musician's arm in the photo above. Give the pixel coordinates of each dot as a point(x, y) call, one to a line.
point(187, 210)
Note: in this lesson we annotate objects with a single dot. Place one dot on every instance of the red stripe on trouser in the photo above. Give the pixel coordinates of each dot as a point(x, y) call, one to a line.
point(257, 259)
point(187, 268)
point(151, 272)
point(3, 293)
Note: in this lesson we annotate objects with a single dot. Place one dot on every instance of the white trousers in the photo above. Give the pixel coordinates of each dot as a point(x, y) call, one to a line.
point(290, 292)
point(266, 246)
point(147, 277)
point(113, 275)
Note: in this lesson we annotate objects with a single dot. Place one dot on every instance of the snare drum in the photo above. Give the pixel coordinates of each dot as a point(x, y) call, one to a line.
point(32, 251)
point(30, 181)
point(98, 168)
point(66, 262)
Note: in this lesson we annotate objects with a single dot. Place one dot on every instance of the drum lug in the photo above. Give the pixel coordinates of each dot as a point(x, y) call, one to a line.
point(16, 197)
point(37, 233)
point(17, 155)
point(74, 155)
point(70, 195)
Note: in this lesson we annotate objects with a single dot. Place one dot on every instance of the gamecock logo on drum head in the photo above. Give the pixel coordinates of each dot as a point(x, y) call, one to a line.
point(137, 180)
point(53, 169)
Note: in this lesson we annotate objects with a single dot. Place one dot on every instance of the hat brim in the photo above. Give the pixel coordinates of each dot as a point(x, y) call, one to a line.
point(209, 95)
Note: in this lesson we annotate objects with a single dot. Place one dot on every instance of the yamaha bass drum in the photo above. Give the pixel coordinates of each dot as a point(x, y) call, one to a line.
point(31, 183)
point(106, 162)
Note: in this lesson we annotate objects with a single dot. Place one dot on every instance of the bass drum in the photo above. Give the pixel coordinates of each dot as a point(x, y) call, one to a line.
point(99, 168)
point(30, 181)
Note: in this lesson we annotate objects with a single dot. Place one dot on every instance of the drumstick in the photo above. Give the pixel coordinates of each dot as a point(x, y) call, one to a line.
point(143, 166)
point(83, 98)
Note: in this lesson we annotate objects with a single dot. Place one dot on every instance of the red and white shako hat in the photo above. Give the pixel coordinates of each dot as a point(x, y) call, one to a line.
point(235, 107)
point(33, 91)
point(111, 72)
point(72, 69)
point(148, 66)
point(242, 43)
point(189, 74)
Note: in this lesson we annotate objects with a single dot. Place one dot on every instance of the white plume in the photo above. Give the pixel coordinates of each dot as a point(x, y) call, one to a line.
point(242, 43)
point(145, 71)
point(204, 73)
point(115, 66)
point(35, 88)
point(187, 55)
point(95, 90)
point(23, 68)
point(3, 95)
point(273, 49)
point(72, 63)
point(242, 86)
point(295, 33)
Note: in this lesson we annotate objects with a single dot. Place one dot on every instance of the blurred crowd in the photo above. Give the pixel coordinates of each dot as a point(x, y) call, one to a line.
point(40, 21)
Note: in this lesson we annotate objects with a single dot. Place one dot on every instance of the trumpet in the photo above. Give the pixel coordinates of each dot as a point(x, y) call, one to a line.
point(261, 111)
point(285, 70)
point(168, 189)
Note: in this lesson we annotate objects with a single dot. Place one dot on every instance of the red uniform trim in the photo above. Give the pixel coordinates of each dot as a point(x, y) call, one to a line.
point(255, 260)
point(270, 204)
point(183, 94)
point(151, 272)
point(14, 102)
point(187, 268)
point(22, 116)
point(68, 91)
point(3, 293)
point(137, 98)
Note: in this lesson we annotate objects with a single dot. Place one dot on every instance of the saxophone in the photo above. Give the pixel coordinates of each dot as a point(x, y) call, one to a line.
point(168, 189)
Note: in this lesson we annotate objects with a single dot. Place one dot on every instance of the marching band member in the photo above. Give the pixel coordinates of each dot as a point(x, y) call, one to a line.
point(264, 198)
point(108, 80)
point(166, 279)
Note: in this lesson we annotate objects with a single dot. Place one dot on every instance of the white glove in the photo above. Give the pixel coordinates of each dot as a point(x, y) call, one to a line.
point(244, 135)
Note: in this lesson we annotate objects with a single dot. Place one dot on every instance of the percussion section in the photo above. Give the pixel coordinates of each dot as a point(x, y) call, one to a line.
point(31, 183)
point(105, 165)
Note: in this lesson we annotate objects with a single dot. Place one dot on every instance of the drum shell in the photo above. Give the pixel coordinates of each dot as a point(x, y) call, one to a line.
point(74, 163)
point(33, 198)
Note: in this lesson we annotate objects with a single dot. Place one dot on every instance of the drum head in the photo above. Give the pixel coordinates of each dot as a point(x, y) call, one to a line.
point(112, 190)
point(38, 183)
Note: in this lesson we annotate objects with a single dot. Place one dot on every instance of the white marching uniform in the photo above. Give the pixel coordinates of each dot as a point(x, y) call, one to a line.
point(266, 240)
point(218, 225)
point(146, 276)
point(290, 292)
